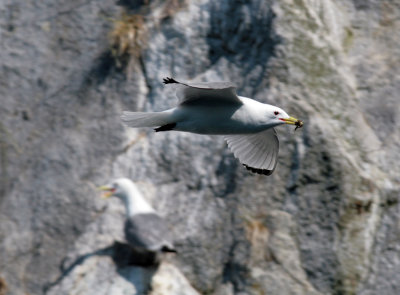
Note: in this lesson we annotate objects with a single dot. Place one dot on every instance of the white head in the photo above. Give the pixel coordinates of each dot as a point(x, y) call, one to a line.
point(277, 116)
point(126, 190)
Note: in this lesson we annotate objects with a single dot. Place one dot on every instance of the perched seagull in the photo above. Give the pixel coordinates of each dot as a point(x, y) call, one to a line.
point(145, 230)
point(215, 108)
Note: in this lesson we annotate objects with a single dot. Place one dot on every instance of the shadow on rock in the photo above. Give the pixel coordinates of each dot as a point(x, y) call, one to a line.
point(124, 255)
point(136, 267)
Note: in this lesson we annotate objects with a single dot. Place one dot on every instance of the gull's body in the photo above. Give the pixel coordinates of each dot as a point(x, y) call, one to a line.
point(220, 119)
point(214, 108)
point(145, 231)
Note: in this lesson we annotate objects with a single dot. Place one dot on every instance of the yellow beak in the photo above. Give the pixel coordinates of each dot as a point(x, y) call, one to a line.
point(291, 121)
point(108, 191)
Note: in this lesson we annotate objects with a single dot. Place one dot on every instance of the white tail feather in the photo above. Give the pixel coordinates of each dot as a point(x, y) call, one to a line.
point(141, 119)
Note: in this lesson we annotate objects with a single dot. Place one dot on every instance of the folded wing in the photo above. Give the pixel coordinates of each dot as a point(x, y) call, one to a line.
point(258, 152)
point(148, 232)
point(204, 91)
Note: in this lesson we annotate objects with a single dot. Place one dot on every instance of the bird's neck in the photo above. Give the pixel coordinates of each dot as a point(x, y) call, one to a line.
point(136, 204)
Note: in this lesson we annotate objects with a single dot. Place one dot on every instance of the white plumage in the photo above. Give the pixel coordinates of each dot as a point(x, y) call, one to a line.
point(145, 230)
point(215, 108)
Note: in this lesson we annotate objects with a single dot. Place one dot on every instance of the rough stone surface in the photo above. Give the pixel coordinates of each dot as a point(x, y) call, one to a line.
point(326, 222)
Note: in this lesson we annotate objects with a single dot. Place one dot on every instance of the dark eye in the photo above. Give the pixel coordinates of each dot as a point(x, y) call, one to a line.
point(276, 113)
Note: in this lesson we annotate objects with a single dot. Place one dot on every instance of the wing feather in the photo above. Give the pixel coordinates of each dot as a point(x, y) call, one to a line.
point(148, 232)
point(203, 91)
point(257, 152)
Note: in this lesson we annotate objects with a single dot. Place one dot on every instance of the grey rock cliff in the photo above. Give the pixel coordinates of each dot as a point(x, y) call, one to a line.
point(327, 220)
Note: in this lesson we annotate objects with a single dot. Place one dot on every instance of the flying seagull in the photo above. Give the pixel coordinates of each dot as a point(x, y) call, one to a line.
point(215, 108)
point(145, 230)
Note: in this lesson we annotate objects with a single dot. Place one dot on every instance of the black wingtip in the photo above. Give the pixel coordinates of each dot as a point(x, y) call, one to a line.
point(259, 171)
point(169, 80)
point(166, 127)
point(168, 249)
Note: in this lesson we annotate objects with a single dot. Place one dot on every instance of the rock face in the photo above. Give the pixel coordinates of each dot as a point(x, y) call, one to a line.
point(326, 222)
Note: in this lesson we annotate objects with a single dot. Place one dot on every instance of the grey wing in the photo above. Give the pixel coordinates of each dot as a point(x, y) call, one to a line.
point(212, 91)
point(258, 152)
point(147, 232)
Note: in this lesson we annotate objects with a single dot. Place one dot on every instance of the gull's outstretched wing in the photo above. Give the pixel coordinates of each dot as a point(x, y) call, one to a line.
point(209, 91)
point(148, 232)
point(258, 152)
